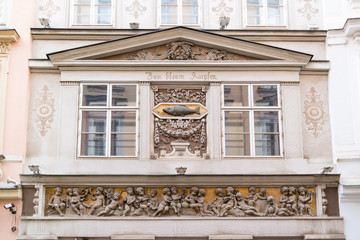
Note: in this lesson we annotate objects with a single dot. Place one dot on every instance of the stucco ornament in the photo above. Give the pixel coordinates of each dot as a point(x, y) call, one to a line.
point(222, 9)
point(48, 8)
point(135, 9)
point(308, 10)
point(185, 201)
point(5, 47)
point(44, 110)
point(314, 112)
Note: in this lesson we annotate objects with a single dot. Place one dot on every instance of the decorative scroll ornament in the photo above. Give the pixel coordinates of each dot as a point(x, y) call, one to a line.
point(49, 8)
point(186, 201)
point(179, 95)
point(314, 112)
point(180, 51)
point(308, 11)
point(44, 110)
point(135, 9)
point(36, 202)
point(5, 47)
point(222, 9)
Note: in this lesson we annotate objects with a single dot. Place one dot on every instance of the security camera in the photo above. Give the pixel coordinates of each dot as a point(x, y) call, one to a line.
point(10, 207)
point(10, 180)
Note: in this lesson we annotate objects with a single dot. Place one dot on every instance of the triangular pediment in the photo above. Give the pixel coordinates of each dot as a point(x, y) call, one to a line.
point(178, 43)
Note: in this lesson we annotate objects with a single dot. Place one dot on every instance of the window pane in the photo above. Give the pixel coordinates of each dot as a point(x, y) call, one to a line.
point(82, 14)
point(237, 122)
point(94, 95)
point(275, 16)
point(267, 145)
point(123, 95)
point(83, 2)
point(123, 122)
point(254, 15)
point(236, 96)
point(265, 95)
point(123, 144)
point(275, 2)
point(254, 2)
point(93, 144)
point(266, 122)
point(169, 14)
point(237, 144)
point(93, 121)
point(190, 11)
point(108, 2)
point(103, 14)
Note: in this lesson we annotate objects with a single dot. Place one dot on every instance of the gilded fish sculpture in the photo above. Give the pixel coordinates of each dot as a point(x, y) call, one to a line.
point(181, 110)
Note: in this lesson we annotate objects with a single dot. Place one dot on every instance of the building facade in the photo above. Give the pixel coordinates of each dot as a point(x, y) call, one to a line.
point(179, 119)
point(15, 50)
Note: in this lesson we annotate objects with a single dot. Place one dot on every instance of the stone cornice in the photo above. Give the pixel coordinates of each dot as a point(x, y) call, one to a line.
point(9, 35)
point(196, 180)
point(109, 34)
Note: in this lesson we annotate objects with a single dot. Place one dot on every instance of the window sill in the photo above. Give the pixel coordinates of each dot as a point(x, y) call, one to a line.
point(163, 26)
point(107, 158)
point(105, 26)
point(267, 27)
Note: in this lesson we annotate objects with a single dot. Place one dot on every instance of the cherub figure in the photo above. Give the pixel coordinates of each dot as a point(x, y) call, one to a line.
point(129, 201)
point(249, 198)
point(201, 205)
point(69, 193)
point(77, 199)
point(191, 199)
point(304, 201)
point(229, 201)
point(176, 200)
point(241, 204)
point(112, 206)
point(260, 200)
point(108, 194)
point(142, 199)
point(57, 203)
point(217, 202)
point(153, 201)
point(271, 208)
point(291, 202)
point(99, 199)
point(165, 203)
point(284, 197)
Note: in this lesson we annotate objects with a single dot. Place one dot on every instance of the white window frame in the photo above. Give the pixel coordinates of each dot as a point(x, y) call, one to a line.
point(264, 17)
point(179, 15)
point(92, 15)
point(108, 109)
point(251, 109)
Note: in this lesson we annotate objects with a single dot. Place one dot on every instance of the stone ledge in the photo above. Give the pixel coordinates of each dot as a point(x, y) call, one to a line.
point(182, 227)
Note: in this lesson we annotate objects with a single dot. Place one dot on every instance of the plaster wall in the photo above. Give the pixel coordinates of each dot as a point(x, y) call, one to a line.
point(299, 14)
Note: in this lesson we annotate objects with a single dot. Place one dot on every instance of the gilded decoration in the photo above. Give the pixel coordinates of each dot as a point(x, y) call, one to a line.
point(49, 8)
point(222, 9)
point(308, 10)
point(44, 110)
point(136, 9)
point(224, 201)
point(314, 112)
point(180, 122)
point(5, 47)
point(179, 51)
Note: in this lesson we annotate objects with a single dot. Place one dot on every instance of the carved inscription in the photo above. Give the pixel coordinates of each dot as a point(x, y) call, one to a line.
point(181, 201)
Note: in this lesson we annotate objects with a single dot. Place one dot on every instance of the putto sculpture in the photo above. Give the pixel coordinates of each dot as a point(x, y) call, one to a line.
point(184, 201)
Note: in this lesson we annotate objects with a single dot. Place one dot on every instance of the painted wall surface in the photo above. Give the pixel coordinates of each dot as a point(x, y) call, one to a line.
point(16, 107)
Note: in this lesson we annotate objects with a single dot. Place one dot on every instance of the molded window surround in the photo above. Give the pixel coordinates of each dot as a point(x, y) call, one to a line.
point(92, 12)
point(179, 12)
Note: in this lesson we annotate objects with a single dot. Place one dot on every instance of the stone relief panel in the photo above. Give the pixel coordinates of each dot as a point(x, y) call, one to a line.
point(225, 201)
point(314, 112)
point(179, 51)
point(306, 12)
point(44, 109)
point(309, 9)
point(223, 8)
point(179, 122)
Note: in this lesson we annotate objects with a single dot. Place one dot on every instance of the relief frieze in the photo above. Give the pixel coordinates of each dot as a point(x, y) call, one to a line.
point(225, 201)
point(180, 50)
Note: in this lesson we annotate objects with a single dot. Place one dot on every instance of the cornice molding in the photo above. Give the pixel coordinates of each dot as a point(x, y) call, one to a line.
point(110, 34)
point(165, 180)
